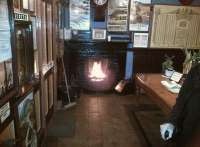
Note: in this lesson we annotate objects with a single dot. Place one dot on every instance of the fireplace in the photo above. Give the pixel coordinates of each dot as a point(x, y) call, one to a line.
point(96, 64)
point(97, 69)
point(99, 75)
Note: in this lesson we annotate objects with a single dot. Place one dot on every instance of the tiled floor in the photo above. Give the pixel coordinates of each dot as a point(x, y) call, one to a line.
point(101, 121)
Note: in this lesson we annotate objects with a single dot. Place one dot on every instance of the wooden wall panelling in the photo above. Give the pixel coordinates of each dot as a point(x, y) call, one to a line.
point(50, 51)
point(150, 60)
point(37, 100)
point(50, 82)
point(55, 47)
point(40, 42)
point(44, 56)
point(46, 95)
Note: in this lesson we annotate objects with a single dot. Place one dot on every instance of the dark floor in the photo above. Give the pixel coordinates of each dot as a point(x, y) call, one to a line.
point(101, 121)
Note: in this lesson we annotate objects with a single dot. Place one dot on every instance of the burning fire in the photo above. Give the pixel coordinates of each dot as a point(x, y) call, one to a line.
point(97, 73)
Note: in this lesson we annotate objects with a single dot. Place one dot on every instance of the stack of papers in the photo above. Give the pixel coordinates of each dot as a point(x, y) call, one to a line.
point(171, 86)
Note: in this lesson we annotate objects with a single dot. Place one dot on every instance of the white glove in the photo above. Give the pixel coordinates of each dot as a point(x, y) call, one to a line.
point(166, 131)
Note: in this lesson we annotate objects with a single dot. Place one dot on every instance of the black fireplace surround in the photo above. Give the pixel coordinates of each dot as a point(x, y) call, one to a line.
point(79, 53)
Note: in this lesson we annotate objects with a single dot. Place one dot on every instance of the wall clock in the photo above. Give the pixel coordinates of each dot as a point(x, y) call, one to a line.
point(100, 2)
point(186, 2)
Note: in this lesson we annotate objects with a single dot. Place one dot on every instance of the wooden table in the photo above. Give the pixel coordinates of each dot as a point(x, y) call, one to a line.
point(151, 84)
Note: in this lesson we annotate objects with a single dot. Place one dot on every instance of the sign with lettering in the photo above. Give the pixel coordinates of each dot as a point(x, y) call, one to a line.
point(4, 112)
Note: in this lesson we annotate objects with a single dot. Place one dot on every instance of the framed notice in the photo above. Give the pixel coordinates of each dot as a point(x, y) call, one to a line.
point(79, 14)
point(175, 27)
point(26, 122)
point(139, 16)
point(5, 34)
point(140, 40)
point(4, 112)
point(99, 34)
point(117, 19)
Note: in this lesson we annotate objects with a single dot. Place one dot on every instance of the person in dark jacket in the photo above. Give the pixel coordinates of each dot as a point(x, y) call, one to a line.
point(184, 121)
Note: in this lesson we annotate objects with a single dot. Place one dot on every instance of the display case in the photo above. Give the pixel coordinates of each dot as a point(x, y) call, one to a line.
point(24, 49)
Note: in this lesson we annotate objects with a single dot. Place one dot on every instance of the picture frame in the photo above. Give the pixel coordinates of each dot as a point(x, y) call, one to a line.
point(79, 14)
point(140, 40)
point(117, 16)
point(139, 18)
point(99, 34)
point(25, 120)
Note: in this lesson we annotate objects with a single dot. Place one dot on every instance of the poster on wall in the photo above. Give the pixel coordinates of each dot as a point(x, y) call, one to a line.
point(99, 34)
point(5, 43)
point(175, 27)
point(27, 122)
point(139, 16)
point(79, 14)
point(140, 40)
point(7, 136)
point(117, 18)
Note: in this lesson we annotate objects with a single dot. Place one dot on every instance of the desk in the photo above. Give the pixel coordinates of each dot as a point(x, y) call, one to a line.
point(150, 83)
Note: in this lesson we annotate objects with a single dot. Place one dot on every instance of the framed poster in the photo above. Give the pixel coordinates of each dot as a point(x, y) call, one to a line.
point(141, 40)
point(139, 16)
point(26, 122)
point(79, 14)
point(7, 136)
point(175, 27)
point(99, 34)
point(5, 34)
point(117, 18)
